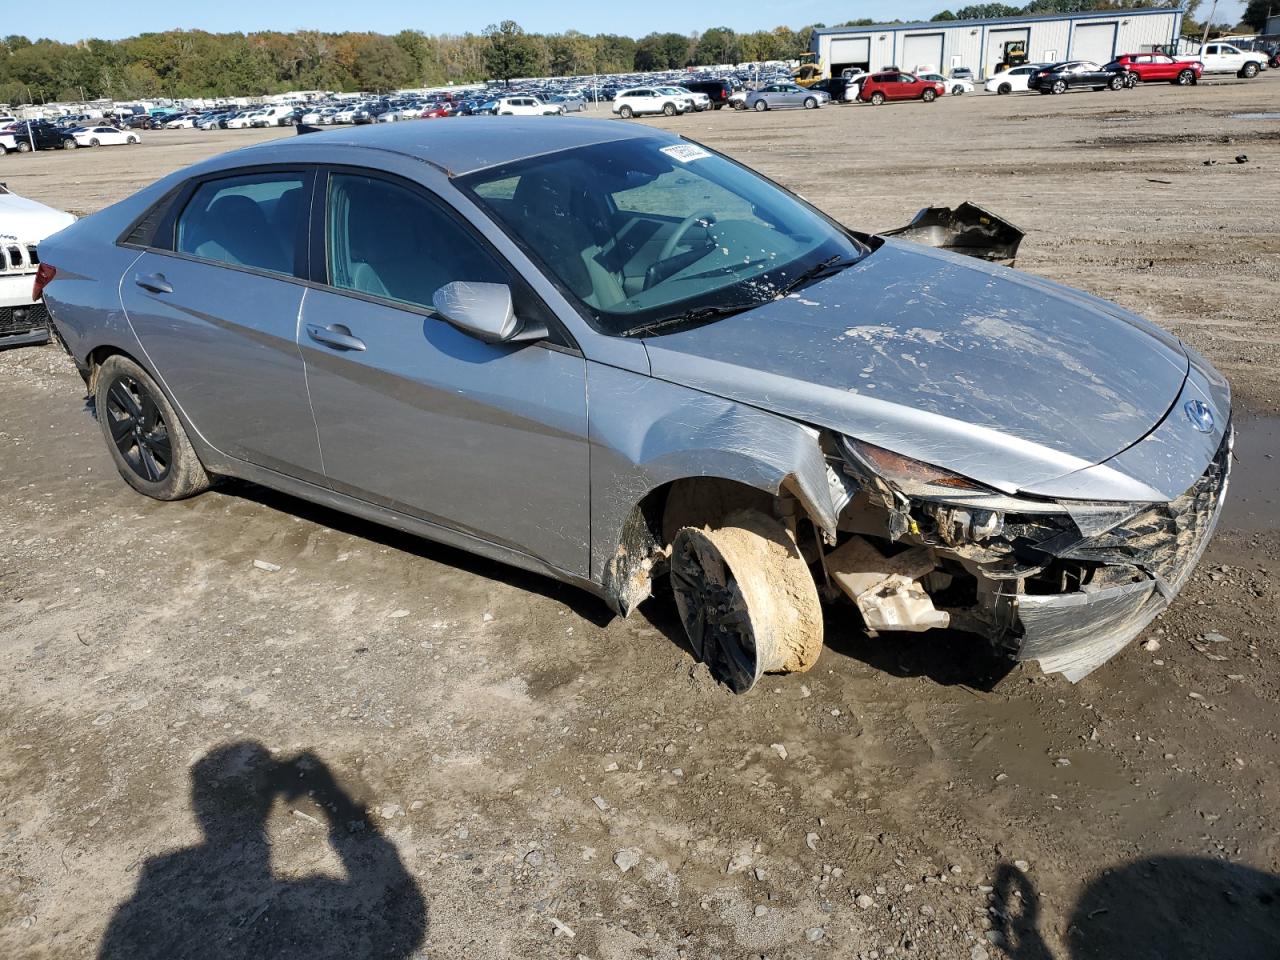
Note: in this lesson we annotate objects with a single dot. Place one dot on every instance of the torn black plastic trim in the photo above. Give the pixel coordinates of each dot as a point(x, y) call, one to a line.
point(967, 229)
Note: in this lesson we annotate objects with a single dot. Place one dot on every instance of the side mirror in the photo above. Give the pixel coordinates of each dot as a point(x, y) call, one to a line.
point(484, 310)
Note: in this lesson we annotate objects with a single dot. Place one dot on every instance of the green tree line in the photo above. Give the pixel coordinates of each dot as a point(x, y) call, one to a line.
point(195, 63)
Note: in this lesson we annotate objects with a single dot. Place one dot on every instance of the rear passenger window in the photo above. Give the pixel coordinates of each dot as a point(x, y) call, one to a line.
point(250, 221)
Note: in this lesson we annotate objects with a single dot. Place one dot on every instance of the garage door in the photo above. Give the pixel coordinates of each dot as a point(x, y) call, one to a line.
point(850, 52)
point(996, 40)
point(1094, 41)
point(921, 50)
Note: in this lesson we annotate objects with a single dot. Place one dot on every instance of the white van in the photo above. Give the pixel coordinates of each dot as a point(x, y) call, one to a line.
point(279, 116)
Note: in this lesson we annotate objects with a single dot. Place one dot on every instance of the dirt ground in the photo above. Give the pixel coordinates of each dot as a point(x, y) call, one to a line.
point(387, 748)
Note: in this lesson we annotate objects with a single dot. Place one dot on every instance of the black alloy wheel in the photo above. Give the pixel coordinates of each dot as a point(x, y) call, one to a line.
point(138, 429)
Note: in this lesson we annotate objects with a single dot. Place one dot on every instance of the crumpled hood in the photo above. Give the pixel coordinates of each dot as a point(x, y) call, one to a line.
point(26, 221)
point(997, 375)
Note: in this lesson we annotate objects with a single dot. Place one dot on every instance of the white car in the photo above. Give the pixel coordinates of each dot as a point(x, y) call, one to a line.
point(346, 115)
point(638, 101)
point(23, 225)
point(956, 86)
point(526, 107)
point(180, 123)
point(104, 137)
point(1013, 80)
point(697, 101)
point(242, 121)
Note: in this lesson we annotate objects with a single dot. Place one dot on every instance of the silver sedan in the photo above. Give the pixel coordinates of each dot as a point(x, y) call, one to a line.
point(783, 95)
point(609, 354)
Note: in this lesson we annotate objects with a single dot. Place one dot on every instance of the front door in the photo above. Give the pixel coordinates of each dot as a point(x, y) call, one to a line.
point(417, 416)
point(215, 305)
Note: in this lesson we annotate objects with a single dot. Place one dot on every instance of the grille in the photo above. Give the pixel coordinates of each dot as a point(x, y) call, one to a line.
point(1167, 539)
point(16, 320)
point(18, 257)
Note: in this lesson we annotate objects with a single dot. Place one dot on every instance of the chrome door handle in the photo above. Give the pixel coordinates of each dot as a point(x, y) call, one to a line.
point(155, 282)
point(336, 336)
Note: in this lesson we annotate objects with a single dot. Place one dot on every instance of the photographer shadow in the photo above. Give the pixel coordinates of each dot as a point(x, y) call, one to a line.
point(220, 899)
point(1156, 908)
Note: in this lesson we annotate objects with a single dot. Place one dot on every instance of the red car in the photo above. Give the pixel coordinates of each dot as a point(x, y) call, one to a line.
point(1158, 68)
point(893, 85)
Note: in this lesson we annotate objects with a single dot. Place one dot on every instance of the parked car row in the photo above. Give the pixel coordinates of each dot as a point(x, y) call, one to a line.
point(23, 136)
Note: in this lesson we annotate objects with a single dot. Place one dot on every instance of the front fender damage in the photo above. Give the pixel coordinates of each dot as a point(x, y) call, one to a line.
point(684, 434)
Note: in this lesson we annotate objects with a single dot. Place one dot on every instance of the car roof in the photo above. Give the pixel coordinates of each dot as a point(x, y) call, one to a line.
point(458, 148)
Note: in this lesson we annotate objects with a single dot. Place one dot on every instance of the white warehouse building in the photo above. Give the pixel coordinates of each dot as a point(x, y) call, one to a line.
point(980, 44)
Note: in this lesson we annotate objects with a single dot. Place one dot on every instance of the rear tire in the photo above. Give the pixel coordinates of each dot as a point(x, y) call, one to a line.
point(747, 600)
point(23, 147)
point(94, 142)
point(144, 436)
point(1004, 89)
point(877, 98)
point(625, 112)
point(1059, 86)
point(761, 106)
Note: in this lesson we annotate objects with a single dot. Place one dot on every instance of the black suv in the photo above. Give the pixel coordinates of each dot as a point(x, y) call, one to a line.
point(717, 90)
point(43, 134)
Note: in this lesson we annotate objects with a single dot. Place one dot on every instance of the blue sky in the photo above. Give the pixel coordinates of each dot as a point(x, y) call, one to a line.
point(70, 20)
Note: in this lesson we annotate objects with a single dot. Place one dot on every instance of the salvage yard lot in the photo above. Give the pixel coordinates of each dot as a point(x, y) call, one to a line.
point(518, 747)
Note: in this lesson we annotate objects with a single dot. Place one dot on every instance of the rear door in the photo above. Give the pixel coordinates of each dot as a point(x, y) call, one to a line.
point(215, 299)
point(417, 416)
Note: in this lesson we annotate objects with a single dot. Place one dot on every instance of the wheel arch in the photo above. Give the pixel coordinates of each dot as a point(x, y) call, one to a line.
point(646, 458)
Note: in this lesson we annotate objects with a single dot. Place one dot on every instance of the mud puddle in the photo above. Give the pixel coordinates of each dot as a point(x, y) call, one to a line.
point(1255, 477)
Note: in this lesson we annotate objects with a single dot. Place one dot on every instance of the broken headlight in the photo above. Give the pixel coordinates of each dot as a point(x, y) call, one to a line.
point(911, 478)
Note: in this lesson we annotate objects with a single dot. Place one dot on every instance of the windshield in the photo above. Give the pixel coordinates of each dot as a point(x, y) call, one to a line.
point(649, 235)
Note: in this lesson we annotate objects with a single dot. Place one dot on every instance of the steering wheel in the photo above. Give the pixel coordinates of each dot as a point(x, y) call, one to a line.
point(705, 217)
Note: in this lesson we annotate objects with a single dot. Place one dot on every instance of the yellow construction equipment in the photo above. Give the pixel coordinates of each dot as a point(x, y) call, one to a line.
point(1014, 55)
point(810, 71)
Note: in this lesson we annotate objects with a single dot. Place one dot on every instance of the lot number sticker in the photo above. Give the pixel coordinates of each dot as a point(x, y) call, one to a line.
point(685, 152)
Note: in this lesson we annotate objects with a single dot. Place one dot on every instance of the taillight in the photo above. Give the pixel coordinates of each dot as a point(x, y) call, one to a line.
point(44, 273)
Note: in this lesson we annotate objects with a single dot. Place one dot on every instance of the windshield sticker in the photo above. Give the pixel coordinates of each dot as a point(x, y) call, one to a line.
point(685, 152)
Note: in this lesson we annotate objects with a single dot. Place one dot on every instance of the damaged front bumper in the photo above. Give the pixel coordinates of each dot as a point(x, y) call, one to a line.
point(1069, 587)
point(1075, 633)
